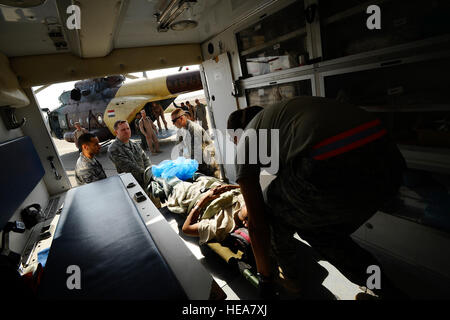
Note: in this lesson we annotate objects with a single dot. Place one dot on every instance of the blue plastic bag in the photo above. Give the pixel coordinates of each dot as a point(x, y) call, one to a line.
point(42, 256)
point(181, 168)
point(159, 169)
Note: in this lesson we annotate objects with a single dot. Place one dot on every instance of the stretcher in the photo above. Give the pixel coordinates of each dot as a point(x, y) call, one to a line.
point(236, 254)
point(235, 250)
point(123, 248)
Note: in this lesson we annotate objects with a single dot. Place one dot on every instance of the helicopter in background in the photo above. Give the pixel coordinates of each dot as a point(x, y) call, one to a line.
point(97, 103)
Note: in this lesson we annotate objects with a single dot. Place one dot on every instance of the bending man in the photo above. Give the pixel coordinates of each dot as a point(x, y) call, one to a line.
point(196, 142)
point(158, 112)
point(337, 167)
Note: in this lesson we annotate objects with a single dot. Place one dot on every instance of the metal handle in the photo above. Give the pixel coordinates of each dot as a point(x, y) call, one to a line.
point(57, 176)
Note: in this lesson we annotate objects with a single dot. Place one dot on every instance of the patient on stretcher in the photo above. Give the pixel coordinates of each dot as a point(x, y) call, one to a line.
point(212, 208)
point(224, 221)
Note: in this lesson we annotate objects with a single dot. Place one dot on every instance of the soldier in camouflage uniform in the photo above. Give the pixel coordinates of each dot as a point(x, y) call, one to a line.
point(126, 155)
point(88, 169)
point(200, 114)
point(196, 143)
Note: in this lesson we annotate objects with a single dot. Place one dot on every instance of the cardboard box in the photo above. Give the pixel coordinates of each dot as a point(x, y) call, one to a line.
point(280, 63)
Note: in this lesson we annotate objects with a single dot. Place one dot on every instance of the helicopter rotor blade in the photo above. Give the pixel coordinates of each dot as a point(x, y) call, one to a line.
point(130, 76)
point(42, 88)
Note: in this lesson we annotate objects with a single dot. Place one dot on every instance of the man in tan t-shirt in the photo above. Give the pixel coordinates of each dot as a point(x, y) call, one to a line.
point(158, 112)
point(77, 133)
point(149, 129)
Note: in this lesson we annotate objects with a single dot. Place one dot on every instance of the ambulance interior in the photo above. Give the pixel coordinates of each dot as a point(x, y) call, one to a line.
point(254, 52)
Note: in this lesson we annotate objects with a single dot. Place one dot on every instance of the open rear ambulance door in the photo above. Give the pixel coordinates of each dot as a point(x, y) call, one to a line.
point(218, 84)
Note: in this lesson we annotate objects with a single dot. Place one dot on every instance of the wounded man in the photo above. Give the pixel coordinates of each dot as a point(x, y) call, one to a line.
point(213, 209)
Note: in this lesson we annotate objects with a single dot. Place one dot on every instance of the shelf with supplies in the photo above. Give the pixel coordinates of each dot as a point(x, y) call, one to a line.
point(281, 56)
point(410, 97)
point(273, 92)
point(423, 47)
point(277, 42)
point(334, 11)
point(413, 84)
point(401, 22)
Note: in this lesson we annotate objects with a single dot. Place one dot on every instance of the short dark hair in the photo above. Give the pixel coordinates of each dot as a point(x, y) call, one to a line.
point(85, 138)
point(239, 119)
point(116, 124)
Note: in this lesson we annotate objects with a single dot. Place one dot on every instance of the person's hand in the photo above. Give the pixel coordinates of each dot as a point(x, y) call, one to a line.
point(208, 196)
point(223, 188)
point(211, 196)
point(215, 190)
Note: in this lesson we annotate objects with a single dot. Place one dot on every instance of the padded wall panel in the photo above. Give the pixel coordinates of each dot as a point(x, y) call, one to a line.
point(20, 172)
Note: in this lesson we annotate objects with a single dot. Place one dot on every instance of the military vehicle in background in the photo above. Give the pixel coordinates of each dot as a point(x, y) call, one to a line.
point(97, 103)
point(85, 104)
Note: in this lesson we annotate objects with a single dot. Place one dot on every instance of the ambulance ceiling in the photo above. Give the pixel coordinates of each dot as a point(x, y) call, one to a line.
point(109, 24)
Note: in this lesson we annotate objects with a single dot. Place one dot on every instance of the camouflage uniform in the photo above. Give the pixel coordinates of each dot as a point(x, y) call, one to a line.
point(203, 153)
point(200, 115)
point(129, 158)
point(88, 170)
